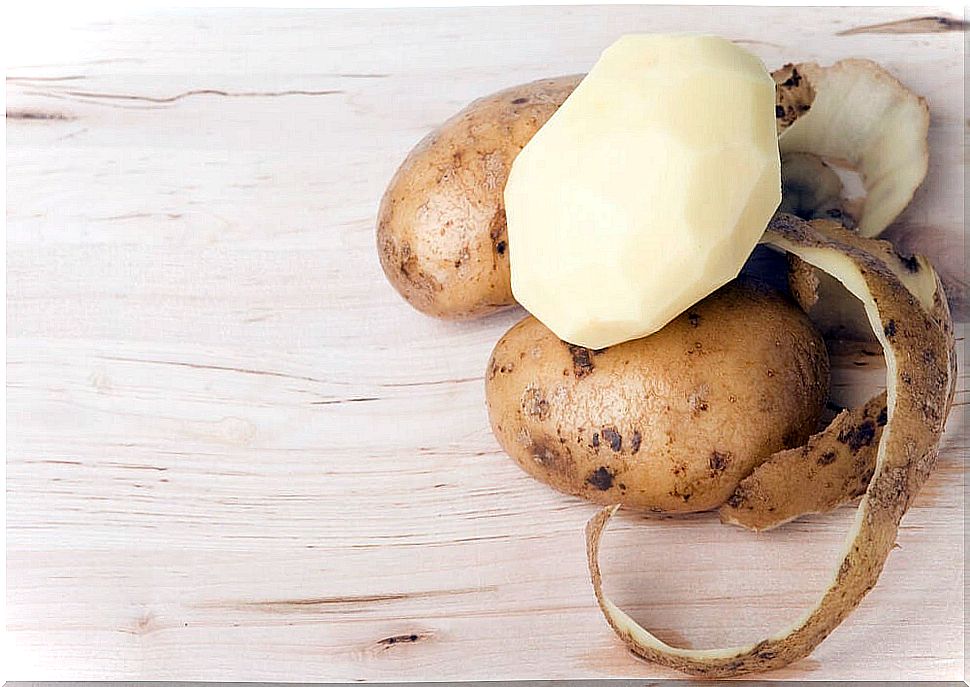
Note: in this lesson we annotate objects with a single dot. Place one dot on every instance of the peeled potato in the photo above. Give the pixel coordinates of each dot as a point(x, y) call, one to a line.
point(441, 231)
point(647, 190)
point(671, 422)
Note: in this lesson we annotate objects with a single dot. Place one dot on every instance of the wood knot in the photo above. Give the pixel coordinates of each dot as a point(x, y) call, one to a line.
point(407, 638)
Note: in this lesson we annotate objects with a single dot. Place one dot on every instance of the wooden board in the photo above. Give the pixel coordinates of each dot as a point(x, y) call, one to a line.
point(234, 453)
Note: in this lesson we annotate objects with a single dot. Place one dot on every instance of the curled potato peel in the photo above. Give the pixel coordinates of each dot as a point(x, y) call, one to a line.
point(833, 468)
point(811, 189)
point(857, 113)
point(838, 314)
point(913, 326)
point(794, 95)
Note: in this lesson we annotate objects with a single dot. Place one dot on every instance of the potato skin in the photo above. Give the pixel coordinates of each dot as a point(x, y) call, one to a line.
point(671, 422)
point(441, 231)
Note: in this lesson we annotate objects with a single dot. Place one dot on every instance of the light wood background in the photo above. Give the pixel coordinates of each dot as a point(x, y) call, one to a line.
point(234, 453)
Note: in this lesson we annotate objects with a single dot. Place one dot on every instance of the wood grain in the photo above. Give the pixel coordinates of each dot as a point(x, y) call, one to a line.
point(234, 453)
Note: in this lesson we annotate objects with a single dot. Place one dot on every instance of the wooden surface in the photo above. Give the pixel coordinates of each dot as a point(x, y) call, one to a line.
point(234, 453)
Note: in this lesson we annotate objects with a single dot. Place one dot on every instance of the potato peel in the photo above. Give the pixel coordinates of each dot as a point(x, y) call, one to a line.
point(917, 339)
point(857, 112)
point(833, 468)
point(793, 96)
point(836, 313)
point(812, 190)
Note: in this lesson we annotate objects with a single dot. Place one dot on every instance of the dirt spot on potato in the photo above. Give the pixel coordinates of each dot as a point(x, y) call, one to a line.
point(693, 319)
point(601, 478)
point(463, 257)
point(498, 230)
point(697, 400)
point(718, 461)
point(545, 455)
point(793, 80)
point(492, 370)
point(857, 437)
point(883, 417)
point(582, 360)
point(635, 442)
point(676, 493)
point(613, 438)
point(827, 458)
point(736, 499)
point(412, 272)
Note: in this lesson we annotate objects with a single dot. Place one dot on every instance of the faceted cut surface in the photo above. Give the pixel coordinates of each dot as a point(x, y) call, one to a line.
point(647, 189)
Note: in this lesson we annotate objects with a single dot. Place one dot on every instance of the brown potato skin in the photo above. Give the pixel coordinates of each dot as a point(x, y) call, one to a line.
point(441, 232)
point(671, 422)
point(832, 469)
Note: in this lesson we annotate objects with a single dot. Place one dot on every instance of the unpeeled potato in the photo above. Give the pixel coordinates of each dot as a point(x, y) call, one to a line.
point(670, 422)
point(441, 231)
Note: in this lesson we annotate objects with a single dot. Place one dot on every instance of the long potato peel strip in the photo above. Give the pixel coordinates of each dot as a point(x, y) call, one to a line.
point(836, 465)
point(833, 468)
point(920, 373)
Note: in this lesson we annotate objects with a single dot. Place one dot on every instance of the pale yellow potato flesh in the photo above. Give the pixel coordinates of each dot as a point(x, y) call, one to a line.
point(647, 189)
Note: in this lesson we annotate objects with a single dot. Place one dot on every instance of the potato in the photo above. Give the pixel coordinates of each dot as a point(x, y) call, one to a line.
point(635, 163)
point(441, 231)
point(670, 422)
